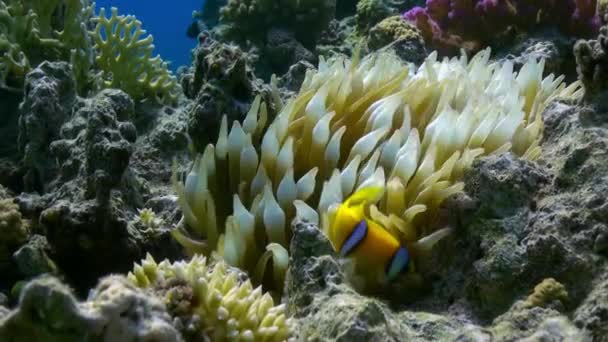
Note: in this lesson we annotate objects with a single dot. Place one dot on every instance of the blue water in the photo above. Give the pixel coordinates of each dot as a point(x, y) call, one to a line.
point(167, 21)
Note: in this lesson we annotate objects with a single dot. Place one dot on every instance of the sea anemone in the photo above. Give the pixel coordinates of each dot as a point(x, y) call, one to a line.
point(356, 123)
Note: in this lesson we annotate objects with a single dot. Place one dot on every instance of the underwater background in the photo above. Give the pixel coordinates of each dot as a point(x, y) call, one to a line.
point(303, 170)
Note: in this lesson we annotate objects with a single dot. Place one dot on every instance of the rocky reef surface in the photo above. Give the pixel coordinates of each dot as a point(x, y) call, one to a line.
point(87, 205)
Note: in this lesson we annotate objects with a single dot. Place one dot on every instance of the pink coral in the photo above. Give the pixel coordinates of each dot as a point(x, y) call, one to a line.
point(449, 25)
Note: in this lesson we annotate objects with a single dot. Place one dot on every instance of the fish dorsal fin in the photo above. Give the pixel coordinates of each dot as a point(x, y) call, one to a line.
point(363, 196)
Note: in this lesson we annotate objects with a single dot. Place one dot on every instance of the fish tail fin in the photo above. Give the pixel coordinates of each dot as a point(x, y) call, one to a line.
point(367, 195)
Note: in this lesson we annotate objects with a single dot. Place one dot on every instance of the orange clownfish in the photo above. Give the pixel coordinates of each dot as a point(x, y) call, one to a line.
point(355, 235)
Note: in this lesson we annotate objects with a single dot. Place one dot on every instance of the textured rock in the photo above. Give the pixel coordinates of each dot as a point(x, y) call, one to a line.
point(293, 78)
point(32, 258)
point(517, 225)
point(327, 307)
point(283, 50)
point(592, 64)
point(9, 124)
point(221, 83)
point(49, 96)
point(550, 45)
point(14, 232)
point(339, 38)
point(400, 36)
point(251, 19)
point(592, 314)
point(114, 311)
point(86, 214)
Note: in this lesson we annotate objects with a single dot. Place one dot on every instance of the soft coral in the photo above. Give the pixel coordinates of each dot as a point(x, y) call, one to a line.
point(449, 25)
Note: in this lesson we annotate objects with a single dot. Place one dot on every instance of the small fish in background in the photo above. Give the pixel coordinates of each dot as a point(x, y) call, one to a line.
point(355, 235)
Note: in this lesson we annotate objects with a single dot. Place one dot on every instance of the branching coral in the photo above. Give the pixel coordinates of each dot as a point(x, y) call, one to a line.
point(213, 301)
point(449, 25)
point(124, 54)
point(356, 123)
point(33, 31)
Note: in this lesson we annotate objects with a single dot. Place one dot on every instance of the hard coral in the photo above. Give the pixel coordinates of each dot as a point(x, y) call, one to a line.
point(356, 123)
point(592, 63)
point(370, 12)
point(34, 31)
point(449, 25)
point(124, 55)
point(212, 302)
point(253, 18)
point(14, 230)
point(547, 291)
point(404, 38)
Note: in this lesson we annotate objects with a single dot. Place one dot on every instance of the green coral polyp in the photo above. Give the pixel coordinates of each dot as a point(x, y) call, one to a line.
point(228, 308)
point(124, 54)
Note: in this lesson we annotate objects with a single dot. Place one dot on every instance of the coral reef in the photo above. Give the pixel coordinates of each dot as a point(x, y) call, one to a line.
point(352, 124)
point(34, 31)
point(124, 55)
point(235, 183)
point(33, 259)
point(14, 231)
point(326, 307)
point(340, 38)
point(253, 18)
point(592, 62)
point(400, 36)
point(371, 12)
point(46, 107)
point(213, 301)
point(221, 82)
point(591, 314)
point(84, 214)
point(283, 50)
point(76, 155)
point(449, 25)
point(549, 45)
point(114, 311)
point(547, 291)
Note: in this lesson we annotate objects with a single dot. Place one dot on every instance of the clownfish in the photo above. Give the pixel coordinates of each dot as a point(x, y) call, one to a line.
point(354, 235)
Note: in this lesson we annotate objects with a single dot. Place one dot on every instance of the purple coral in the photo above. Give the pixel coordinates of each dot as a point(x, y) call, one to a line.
point(449, 25)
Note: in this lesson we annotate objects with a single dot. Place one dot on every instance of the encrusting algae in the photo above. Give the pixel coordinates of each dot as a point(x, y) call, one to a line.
point(359, 123)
